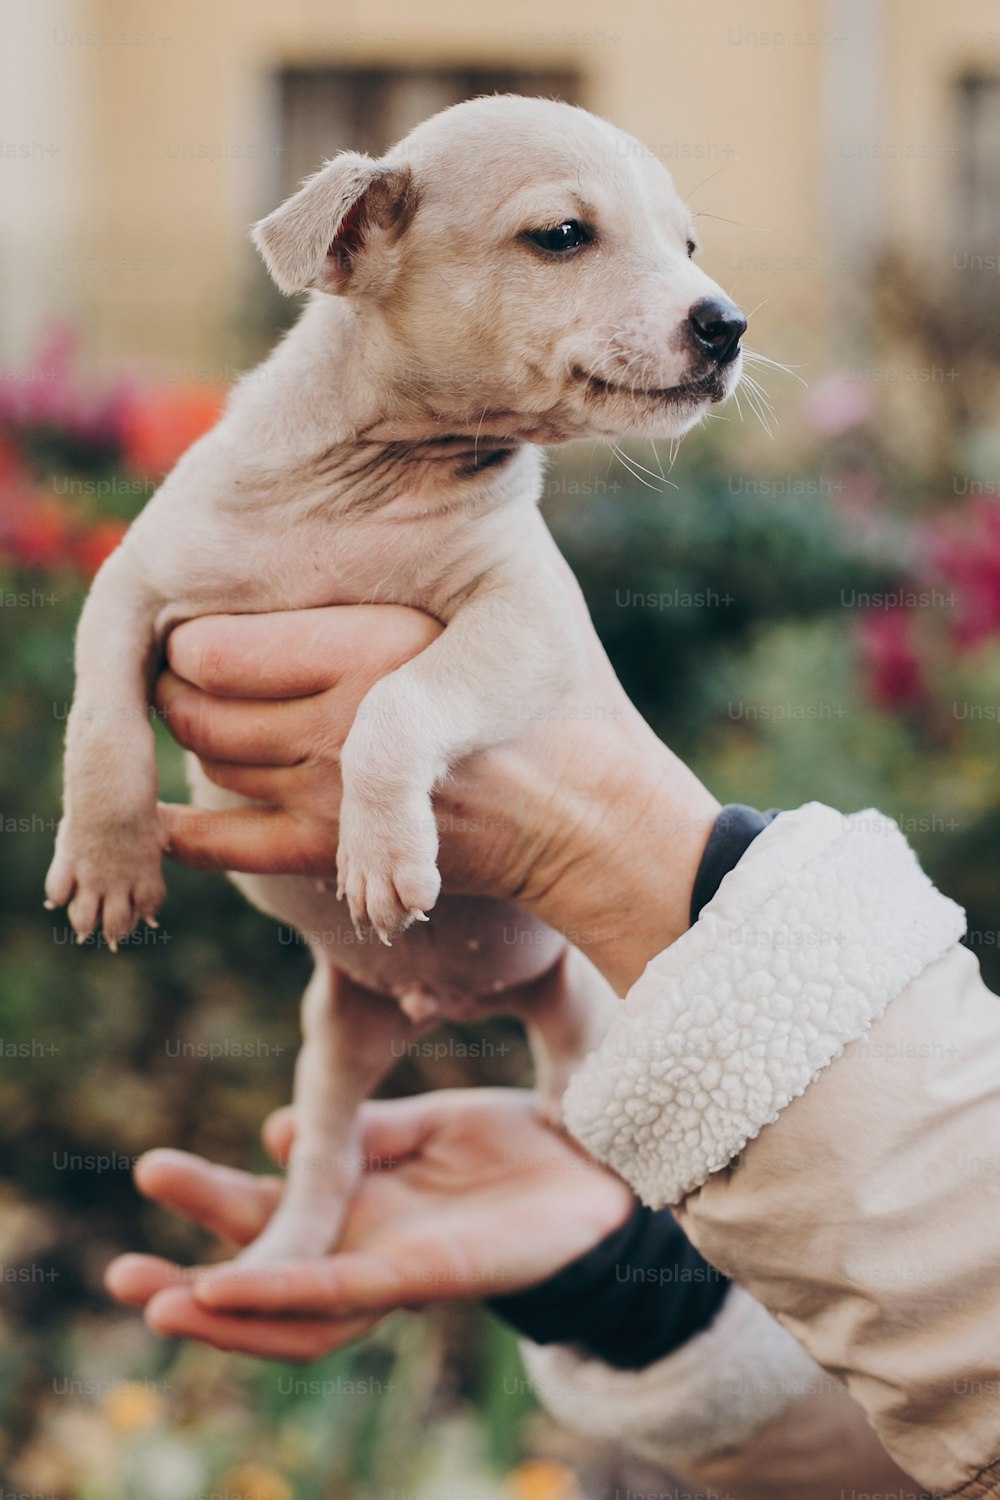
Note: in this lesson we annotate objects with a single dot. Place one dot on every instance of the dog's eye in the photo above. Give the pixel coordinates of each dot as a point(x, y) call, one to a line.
point(691, 247)
point(568, 235)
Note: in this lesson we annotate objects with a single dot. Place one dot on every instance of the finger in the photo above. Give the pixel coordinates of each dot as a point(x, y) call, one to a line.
point(278, 1133)
point(394, 1129)
point(235, 1205)
point(340, 1286)
point(134, 1279)
point(257, 840)
point(175, 1312)
point(256, 733)
point(274, 785)
point(296, 652)
point(391, 1129)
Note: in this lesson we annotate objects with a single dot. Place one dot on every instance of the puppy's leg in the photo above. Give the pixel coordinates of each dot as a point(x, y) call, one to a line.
point(348, 1037)
point(505, 658)
point(567, 1012)
point(107, 856)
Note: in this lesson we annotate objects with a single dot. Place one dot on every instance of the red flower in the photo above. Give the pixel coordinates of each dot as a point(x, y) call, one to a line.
point(159, 425)
point(92, 546)
point(9, 464)
point(891, 666)
point(35, 532)
point(39, 532)
point(968, 555)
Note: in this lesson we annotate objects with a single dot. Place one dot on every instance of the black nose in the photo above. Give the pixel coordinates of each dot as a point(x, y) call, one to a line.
point(718, 326)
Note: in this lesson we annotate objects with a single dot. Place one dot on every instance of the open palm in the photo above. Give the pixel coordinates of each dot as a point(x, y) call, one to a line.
point(465, 1194)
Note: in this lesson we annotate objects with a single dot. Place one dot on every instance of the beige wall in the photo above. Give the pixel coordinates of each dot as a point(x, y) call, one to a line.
point(953, 36)
point(167, 140)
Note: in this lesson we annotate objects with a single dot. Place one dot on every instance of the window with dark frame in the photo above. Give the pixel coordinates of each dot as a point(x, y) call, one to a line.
point(323, 110)
point(977, 247)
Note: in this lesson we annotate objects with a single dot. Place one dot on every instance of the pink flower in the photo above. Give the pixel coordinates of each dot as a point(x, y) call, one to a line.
point(837, 405)
point(51, 395)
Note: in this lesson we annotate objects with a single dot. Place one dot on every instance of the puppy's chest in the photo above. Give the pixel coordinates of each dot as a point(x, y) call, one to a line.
point(343, 562)
point(308, 556)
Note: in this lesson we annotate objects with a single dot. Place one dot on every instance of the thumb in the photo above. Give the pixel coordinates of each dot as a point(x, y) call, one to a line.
point(255, 840)
point(341, 1286)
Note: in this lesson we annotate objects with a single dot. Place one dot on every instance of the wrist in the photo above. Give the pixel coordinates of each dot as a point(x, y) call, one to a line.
point(633, 1298)
point(620, 879)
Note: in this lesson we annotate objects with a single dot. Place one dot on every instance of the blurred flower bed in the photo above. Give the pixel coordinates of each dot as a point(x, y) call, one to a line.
point(828, 632)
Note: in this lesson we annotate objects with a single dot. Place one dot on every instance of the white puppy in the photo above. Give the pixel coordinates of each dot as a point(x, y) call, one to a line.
point(514, 272)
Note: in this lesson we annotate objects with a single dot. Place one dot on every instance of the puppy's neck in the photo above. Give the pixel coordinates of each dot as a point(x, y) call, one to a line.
point(331, 398)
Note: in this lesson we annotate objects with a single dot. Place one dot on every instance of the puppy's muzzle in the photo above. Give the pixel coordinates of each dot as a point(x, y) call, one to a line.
point(715, 327)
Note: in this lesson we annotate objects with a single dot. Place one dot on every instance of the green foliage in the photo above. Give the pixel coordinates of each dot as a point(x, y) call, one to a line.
point(681, 583)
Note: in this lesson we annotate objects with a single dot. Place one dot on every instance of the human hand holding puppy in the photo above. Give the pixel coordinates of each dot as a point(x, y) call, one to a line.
point(586, 818)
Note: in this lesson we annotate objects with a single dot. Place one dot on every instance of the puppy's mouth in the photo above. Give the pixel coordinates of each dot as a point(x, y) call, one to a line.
point(712, 386)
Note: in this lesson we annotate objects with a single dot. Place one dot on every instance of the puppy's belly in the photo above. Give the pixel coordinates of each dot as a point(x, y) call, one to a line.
point(457, 965)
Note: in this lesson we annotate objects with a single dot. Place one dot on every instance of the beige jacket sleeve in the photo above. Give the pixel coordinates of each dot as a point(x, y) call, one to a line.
point(812, 1076)
point(739, 1412)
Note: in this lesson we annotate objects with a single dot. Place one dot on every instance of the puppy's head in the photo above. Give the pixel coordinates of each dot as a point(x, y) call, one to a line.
point(523, 269)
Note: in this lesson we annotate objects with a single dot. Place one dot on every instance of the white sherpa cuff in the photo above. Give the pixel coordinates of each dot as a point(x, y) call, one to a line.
point(711, 1394)
point(823, 922)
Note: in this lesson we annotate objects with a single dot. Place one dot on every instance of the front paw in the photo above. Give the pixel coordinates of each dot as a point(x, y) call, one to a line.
point(110, 875)
point(387, 864)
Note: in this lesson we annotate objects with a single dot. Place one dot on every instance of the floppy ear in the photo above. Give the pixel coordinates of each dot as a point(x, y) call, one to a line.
point(317, 237)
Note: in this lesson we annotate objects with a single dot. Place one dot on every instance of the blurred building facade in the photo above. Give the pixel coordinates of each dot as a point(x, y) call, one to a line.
point(140, 138)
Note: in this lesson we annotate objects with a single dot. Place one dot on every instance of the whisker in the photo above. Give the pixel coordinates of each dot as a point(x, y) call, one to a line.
point(710, 178)
point(626, 464)
point(709, 208)
point(763, 359)
point(758, 390)
point(629, 470)
point(633, 460)
point(753, 401)
point(721, 219)
point(755, 411)
point(753, 384)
